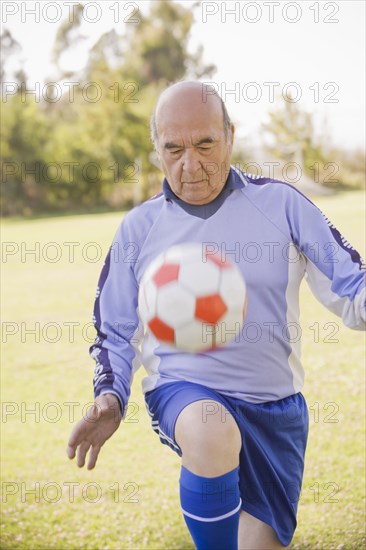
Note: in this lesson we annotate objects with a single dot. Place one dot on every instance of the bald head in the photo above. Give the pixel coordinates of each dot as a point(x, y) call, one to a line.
point(188, 97)
point(193, 137)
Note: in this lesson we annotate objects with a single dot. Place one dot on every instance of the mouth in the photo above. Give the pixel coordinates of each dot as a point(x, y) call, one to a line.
point(194, 182)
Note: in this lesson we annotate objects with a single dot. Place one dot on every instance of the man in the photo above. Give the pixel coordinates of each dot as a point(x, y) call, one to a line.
point(235, 414)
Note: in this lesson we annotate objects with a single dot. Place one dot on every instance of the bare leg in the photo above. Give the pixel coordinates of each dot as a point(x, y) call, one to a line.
point(209, 438)
point(256, 535)
point(211, 445)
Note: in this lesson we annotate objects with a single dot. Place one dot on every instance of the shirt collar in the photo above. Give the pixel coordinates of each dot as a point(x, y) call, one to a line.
point(235, 180)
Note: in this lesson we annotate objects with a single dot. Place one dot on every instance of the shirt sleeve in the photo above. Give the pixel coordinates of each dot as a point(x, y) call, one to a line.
point(116, 346)
point(335, 271)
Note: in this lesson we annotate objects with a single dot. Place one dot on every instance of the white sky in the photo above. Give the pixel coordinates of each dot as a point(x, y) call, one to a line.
point(254, 44)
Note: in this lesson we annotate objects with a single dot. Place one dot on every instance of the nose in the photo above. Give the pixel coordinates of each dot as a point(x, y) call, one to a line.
point(191, 165)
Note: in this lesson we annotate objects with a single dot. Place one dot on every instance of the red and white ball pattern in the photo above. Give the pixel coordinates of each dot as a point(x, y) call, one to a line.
point(192, 299)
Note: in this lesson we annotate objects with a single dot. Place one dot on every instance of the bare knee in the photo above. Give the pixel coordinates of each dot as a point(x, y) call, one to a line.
point(209, 438)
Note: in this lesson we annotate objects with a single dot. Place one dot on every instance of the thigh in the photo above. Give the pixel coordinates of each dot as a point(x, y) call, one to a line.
point(274, 438)
point(166, 403)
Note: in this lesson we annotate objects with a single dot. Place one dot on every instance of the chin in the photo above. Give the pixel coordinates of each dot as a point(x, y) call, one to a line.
point(198, 200)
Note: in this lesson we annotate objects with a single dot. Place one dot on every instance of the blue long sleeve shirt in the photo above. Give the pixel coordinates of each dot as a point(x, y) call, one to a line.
point(277, 237)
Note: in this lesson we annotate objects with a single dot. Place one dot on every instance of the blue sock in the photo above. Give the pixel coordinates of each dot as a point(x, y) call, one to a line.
point(211, 509)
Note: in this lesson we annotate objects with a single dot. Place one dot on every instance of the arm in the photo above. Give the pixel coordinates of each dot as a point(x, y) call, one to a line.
point(334, 269)
point(115, 350)
point(116, 347)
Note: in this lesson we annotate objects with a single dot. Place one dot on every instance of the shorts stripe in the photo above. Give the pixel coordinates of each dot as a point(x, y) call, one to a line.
point(163, 436)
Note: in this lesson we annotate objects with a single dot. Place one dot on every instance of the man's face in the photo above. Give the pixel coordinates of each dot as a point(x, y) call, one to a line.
point(192, 146)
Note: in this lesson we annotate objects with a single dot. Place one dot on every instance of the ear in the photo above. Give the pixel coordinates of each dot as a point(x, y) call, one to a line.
point(230, 137)
point(232, 133)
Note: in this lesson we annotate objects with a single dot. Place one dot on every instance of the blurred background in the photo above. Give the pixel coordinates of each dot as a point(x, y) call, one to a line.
point(79, 83)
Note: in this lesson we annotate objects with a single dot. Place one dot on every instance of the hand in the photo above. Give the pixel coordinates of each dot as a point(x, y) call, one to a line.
point(93, 430)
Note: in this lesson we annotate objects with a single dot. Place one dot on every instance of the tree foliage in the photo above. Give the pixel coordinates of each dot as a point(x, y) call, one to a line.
point(291, 137)
point(91, 147)
point(8, 47)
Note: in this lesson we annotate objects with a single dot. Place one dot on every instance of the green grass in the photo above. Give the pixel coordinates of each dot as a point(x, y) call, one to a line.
point(36, 374)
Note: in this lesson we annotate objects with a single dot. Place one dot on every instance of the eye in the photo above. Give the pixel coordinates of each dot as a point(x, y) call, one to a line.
point(175, 151)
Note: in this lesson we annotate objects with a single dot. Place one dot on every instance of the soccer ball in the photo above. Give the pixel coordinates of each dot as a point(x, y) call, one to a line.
point(191, 299)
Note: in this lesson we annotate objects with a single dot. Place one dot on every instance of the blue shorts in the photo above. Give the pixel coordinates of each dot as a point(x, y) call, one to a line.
point(274, 436)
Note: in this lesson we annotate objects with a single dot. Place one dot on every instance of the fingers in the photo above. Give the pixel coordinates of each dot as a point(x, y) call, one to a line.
point(93, 456)
point(72, 443)
point(99, 423)
point(70, 451)
point(82, 450)
point(79, 434)
point(81, 440)
point(76, 437)
point(81, 453)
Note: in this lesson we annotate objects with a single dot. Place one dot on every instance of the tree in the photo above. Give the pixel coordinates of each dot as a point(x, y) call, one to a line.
point(292, 138)
point(25, 133)
point(100, 148)
point(159, 46)
point(8, 47)
point(291, 133)
point(67, 36)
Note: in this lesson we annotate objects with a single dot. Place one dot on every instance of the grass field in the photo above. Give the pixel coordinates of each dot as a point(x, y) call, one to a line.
point(130, 501)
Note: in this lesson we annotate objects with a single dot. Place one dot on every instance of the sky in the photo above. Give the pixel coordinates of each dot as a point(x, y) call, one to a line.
point(314, 51)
